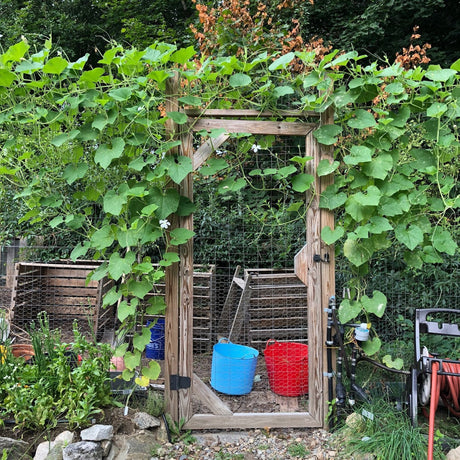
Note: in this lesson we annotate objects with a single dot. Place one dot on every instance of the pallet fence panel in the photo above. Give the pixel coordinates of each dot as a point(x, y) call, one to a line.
point(62, 291)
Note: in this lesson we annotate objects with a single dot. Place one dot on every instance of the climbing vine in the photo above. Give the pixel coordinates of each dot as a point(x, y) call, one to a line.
point(89, 152)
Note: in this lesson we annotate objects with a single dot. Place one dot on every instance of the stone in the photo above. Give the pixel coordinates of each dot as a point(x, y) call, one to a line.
point(52, 450)
point(82, 450)
point(97, 433)
point(106, 446)
point(138, 446)
point(65, 438)
point(453, 454)
point(161, 433)
point(144, 420)
point(43, 450)
point(56, 452)
point(113, 453)
point(15, 447)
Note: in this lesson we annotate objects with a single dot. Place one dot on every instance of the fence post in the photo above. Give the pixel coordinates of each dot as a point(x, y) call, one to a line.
point(327, 269)
point(186, 291)
point(172, 294)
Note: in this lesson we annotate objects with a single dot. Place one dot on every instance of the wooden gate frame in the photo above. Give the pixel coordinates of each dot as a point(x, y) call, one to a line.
point(319, 276)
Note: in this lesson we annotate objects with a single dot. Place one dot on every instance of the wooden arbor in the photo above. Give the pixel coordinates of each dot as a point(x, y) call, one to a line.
point(314, 265)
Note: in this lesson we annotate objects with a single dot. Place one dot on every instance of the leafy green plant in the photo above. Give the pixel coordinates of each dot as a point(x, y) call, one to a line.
point(56, 386)
point(385, 433)
point(297, 449)
point(149, 401)
point(177, 433)
point(155, 403)
point(96, 153)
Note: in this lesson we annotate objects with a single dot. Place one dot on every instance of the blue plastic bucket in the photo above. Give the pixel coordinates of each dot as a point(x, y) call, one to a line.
point(233, 368)
point(156, 348)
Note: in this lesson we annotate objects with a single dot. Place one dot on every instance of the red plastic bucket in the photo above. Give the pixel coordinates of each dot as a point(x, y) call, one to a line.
point(287, 367)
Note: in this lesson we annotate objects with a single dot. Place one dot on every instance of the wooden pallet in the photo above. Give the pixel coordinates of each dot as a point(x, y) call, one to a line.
point(265, 304)
point(62, 291)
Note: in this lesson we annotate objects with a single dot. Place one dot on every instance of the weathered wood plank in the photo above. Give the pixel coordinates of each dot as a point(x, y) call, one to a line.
point(253, 420)
point(74, 291)
point(206, 149)
point(275, 312)
point(270, 323)
point(241, 311)
point(287, 403)
point(250, 113)
point(69, 301)
point(186, 291)
point(284, 296)
point(310, 272)
point(68, 271)
point(278, 128)
point(209, 398)
point(288, 333)
point(75, 283)
point(68, 312)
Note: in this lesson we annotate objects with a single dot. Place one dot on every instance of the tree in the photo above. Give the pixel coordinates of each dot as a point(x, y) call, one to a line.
point(92, 26)
point(143, 21)
point(75, 26)
point(382, 27)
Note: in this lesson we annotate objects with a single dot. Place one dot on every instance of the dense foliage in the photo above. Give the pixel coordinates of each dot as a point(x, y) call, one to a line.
point(89, 152)
point(92, 26)
point(379, 28)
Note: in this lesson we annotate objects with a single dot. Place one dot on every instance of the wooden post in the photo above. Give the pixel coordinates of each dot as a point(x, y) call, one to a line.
point(172, 295)
point(315, 266)
point(186, 292)
point(328, 268)
point(310, 273)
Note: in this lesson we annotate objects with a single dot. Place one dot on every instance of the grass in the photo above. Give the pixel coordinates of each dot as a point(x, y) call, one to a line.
point(150, 401)
point(297, 450)
point(388, 436)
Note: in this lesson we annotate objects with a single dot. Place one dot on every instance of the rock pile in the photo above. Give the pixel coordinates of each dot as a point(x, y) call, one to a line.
point(98, 442)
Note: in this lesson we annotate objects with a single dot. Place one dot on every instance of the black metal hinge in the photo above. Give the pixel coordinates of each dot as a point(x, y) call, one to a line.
point(317, 258)
point(179, 382)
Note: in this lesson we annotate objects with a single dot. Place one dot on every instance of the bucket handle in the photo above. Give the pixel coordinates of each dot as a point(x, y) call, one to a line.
point(158, 339)
point(224, 340)
point(270, 342)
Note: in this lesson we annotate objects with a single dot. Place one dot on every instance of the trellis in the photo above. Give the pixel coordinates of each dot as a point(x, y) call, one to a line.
point(314, 265)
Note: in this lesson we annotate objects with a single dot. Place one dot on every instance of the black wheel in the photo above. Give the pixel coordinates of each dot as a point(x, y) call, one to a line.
point(412, 396)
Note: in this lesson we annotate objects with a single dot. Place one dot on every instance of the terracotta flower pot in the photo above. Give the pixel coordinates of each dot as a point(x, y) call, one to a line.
point(22, 350)
point(118, 363)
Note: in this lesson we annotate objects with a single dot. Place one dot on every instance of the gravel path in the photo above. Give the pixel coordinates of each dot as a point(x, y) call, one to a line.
point(310, 444)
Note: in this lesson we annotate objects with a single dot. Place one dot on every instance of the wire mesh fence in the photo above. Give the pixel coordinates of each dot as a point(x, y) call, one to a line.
point(245, 289)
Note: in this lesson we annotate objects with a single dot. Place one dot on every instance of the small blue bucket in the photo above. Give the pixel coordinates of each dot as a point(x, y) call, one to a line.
point(233, 368)
point(156, 348)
